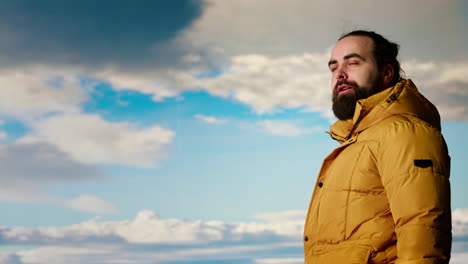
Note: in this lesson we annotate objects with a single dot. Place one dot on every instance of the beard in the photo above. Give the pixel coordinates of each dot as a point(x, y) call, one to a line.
point(345, 104)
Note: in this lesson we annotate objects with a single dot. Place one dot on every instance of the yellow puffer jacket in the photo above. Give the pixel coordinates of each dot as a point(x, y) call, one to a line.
point(383, 196)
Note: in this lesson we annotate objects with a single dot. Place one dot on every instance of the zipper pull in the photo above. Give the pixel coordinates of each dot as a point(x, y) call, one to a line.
point(392, 98)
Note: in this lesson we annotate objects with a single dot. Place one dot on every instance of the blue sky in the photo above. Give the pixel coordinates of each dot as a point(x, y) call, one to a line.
point(192, 131)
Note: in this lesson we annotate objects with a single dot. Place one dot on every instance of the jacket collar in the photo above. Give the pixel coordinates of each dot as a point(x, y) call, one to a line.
point(403, 98)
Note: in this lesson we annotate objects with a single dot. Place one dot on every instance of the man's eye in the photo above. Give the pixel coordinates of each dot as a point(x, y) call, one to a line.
point(332, 69)
point(353, 63)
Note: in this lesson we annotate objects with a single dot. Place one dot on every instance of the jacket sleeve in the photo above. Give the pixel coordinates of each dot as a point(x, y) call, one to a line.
point(414, 165)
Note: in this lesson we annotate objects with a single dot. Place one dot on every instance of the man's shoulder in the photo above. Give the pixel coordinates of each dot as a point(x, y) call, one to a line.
point(404, 120)
point(402, 125)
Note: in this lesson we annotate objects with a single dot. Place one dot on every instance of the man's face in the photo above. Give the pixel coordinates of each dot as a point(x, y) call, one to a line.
point(355, 74)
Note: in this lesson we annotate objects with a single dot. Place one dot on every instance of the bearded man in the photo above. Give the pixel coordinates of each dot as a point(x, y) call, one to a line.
point(382, 196)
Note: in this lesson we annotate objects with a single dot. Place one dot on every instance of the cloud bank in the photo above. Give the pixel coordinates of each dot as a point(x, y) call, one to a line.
point(150, 239)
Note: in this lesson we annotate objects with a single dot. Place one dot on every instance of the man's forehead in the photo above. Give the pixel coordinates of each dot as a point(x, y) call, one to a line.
point(352, 44)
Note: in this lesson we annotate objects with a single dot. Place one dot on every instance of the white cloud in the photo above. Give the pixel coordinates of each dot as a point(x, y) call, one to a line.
point(443, 84)
point(150, 239)
point(460, 222)
point(147, 239)
point(34, 91)
point(266, 83)
point(271, 64)
point(304, 26)
point(284, 216)
point(89, 139)
point(274, 64)
point(460, 215)
point(284, 128)
point(148, 227)
point(91, 203)
point(158, 83)
point(211, 119)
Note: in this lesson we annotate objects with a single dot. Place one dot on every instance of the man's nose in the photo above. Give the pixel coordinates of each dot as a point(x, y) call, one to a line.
point(341, 74)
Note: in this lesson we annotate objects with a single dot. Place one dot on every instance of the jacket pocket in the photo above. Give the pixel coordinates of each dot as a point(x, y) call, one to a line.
point(350, 254)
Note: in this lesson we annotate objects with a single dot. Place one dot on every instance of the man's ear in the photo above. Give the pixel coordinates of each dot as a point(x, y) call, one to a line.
point(388, 74)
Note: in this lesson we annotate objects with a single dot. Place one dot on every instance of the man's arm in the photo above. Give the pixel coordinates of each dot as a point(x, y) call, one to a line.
point(415, 167)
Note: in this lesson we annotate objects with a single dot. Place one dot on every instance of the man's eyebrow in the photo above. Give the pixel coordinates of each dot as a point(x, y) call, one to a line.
point(349, 56)
point(354, 55)
point(331, 62)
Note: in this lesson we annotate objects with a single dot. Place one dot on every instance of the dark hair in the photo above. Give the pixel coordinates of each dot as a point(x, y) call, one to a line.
point(385, 52)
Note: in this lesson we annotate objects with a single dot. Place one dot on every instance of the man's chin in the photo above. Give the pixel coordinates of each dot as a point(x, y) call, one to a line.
point(344, 105)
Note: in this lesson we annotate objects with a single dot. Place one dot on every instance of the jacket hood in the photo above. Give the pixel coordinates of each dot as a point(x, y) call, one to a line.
point(401, 99)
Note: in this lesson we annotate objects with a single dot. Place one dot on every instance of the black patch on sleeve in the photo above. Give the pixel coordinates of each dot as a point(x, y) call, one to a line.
point(423, 163)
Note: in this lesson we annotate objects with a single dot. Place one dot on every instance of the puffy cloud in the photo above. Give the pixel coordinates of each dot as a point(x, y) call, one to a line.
point(150, 239)
point(89, 139)
point(443, 84)
point(265, 83)
point(149, 228)
point(31, 92)
point(210, 119)
point(48, 101)
point(158, 83)
point(91, 203)
point(62, 144)
point(268, 83)
point(304, 26)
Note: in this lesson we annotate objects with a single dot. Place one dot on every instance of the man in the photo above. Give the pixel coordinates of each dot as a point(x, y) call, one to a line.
point(382, 196)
